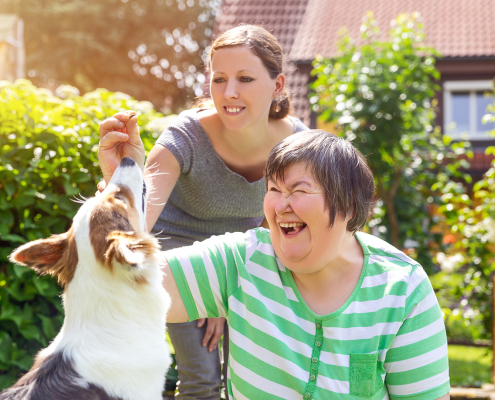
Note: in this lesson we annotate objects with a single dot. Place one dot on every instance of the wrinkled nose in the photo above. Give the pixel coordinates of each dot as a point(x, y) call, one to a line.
point(283, 205)
point(127, 162)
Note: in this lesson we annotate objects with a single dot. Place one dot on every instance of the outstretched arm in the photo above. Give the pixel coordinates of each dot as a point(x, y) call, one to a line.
point(119, 138)
point(177, 312)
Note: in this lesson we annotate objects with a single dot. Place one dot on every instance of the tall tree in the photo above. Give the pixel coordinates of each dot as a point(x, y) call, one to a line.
point(382, 95)
point(150, 49)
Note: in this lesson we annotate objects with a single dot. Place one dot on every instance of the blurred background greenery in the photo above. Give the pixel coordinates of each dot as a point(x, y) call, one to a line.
point(150, 49)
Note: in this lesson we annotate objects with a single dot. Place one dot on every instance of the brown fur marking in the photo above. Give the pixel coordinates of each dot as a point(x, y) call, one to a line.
point(109, 216)
point(141, 242)
point(114, 220)
point(56, 255)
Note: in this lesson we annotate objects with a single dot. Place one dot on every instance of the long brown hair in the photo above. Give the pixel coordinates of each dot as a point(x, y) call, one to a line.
point(264, 46)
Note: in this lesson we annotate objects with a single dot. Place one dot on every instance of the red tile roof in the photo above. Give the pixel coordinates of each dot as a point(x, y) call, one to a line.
point(456, 28)
point(280, 17)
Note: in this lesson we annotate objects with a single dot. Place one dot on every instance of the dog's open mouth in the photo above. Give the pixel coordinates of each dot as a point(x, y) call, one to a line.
point(292, 228)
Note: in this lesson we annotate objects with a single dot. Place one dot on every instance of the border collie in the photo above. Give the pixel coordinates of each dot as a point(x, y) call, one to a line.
point(112, 343)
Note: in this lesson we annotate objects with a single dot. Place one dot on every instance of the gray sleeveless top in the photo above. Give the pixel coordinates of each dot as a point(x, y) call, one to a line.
point(208, 198)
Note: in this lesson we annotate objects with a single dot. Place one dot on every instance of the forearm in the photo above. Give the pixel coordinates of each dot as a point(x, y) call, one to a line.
point(161, 174)
point(177, 312)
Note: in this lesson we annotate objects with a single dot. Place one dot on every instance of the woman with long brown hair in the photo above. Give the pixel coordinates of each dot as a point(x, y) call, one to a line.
point(207, 167)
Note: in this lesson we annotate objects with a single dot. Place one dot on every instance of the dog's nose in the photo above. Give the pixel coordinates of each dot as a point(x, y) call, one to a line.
point(127, 162)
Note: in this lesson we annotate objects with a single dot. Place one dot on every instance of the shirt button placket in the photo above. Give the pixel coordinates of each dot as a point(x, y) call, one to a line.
point(315, 358)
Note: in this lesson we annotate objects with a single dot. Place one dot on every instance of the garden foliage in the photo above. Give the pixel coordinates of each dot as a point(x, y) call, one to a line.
point(381, 96)
point(48, 157)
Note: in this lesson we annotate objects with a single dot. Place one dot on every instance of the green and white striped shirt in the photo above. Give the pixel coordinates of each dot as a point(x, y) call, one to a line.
point(387, 341)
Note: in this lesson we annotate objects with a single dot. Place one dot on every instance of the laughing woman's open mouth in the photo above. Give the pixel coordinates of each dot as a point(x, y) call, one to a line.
point(292, 228)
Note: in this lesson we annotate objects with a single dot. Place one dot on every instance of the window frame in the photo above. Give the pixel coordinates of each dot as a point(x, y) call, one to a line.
point(464, 86)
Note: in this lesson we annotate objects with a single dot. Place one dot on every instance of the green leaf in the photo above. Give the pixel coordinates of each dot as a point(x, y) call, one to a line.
point(6, 381)
point(48, 326)
point(23, 201)
point(4, 230)
point(5, 347)
point(12, 237)
point(41, 285)
point(24, 362)
point(46, 137)
point(10, 188)
point(6, 218)
point(69, 189)
point(20, 270)
point(10, 312)
point(30, 331)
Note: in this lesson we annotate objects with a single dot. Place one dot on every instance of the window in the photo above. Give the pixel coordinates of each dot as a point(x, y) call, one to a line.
point(465, 104)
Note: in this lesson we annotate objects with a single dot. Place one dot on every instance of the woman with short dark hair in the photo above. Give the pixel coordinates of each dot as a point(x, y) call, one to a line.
point(316, 309)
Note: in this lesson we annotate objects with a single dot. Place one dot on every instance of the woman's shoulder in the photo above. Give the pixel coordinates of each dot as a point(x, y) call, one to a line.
point(183, 137)
point(386, 262)
point(186, 118)
point(186, 124)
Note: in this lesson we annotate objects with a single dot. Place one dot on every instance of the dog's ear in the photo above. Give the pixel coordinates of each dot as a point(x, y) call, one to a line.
point(56, 255)
point(129, 249)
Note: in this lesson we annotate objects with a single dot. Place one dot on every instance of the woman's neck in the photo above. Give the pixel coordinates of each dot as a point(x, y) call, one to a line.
point(244, 151)
point(264, 133)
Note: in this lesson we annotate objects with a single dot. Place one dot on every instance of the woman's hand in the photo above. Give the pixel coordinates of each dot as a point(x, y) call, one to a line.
point(214, 331)
point(119, 138)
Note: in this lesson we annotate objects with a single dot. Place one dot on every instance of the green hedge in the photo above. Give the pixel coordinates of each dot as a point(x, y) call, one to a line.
point(48, 156)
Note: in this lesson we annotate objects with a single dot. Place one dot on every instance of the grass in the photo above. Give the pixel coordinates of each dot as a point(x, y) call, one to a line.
point(470, 366)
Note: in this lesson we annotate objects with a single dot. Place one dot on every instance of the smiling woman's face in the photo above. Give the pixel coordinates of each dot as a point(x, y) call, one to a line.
point(299, 222)
point(241, 87)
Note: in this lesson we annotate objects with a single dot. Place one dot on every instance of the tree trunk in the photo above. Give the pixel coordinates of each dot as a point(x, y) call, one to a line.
point(388, 197)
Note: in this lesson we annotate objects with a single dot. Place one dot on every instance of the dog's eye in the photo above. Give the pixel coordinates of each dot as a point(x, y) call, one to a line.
point(120, 197)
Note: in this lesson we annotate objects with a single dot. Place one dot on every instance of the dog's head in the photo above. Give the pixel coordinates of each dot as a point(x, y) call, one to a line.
point(108, 232)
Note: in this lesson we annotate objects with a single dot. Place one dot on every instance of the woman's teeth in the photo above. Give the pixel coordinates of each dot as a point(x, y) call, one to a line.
point(291, 224)
point(292, 228)
point(233, 110)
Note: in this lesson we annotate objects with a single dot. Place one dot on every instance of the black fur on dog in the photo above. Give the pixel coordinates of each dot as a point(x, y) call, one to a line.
point(54, 378)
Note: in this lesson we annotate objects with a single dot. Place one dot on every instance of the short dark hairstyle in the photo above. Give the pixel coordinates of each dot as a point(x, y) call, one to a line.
point(339, 168)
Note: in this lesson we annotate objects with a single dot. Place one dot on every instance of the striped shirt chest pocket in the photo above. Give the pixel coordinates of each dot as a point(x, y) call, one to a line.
point(364, 377)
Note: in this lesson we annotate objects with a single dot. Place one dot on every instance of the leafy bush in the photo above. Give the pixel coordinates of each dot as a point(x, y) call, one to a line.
point(381, 94)
point(48, 154)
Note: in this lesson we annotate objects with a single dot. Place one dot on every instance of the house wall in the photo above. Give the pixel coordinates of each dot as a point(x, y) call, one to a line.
point(465, 69)
point(452, 69)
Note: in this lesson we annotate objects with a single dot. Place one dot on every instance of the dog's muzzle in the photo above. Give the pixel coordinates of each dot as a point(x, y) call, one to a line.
point(127, 162)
